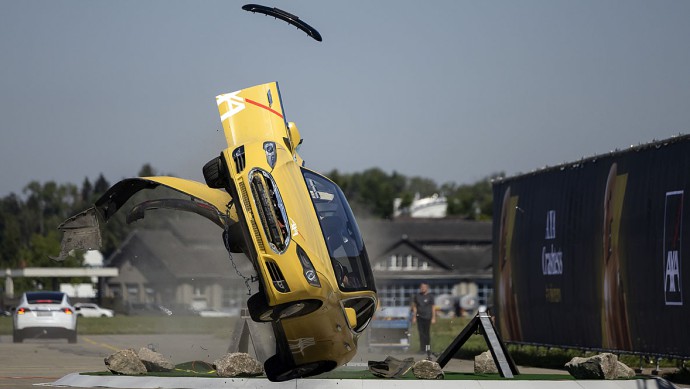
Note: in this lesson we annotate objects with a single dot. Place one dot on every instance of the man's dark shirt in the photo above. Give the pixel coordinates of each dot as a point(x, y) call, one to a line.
point(424, 304)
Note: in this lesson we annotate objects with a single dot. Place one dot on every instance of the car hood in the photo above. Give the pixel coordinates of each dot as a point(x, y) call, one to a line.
point(256, 114)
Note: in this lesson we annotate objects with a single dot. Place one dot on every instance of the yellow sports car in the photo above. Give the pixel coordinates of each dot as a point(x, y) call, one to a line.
point(295, 225)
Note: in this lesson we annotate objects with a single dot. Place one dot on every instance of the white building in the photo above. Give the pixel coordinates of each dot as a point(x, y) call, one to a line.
point(434, 206)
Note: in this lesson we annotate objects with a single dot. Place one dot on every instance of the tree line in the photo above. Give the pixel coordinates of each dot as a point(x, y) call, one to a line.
point(28, 223)
point(373, 191)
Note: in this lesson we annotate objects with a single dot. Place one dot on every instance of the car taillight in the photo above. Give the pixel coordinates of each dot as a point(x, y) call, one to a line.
point(22, 311)
point(67, 311)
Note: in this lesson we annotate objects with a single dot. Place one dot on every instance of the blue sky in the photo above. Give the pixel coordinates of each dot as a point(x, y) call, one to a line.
point(450, 90)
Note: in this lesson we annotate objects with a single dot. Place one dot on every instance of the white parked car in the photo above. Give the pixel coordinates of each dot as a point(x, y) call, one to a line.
point(92, 310)
point(44, 314)
point(210, 312)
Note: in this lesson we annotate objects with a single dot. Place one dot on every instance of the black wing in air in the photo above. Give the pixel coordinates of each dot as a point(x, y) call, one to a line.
point(285, 16)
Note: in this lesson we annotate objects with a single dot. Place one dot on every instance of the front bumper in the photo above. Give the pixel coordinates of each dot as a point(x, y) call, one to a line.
point(45, 332)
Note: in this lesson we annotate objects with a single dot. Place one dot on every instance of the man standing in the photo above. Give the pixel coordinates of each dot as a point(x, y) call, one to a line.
point(424, 314)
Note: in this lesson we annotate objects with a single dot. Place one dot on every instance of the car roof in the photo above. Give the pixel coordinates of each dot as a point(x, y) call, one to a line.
point(46, 293)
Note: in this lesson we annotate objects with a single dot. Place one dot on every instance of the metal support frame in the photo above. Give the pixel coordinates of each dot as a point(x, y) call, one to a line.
point(505, 364)
point(246, 332)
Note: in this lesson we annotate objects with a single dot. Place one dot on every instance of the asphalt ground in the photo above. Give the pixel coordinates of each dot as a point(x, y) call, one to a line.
point(37, 361)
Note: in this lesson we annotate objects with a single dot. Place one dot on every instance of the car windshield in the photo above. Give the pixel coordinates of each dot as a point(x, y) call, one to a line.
point(341, 234)
point(44, 298)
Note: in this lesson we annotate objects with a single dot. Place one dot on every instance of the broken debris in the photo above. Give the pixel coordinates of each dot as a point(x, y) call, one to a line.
point(238, 365)
point(125, 362)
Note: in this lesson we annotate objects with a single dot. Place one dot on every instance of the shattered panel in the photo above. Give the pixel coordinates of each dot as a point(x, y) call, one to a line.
point(81, 232)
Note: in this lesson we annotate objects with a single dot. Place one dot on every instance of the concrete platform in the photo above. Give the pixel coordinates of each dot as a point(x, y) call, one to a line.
point(85, 381)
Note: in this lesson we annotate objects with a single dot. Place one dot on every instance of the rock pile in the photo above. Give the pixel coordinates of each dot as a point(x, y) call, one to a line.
point(238, 365)
point(125, 362)
point(605, 366)
point(484, 364)
point(427, 370)
point(129, 362)
point(154, 361)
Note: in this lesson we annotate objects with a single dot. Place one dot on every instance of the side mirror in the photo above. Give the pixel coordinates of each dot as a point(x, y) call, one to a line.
point(351, 317)
point(295, 137)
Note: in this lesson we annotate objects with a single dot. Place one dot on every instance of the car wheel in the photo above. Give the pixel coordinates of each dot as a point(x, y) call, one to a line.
point(278, 371)
point(299, 308)
point(259, 309)
point(72, 338)
point(234, 239)
point(214, 173)
point(16, 337)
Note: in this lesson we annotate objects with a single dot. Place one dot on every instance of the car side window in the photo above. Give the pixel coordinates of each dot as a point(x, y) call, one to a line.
point(341, 234)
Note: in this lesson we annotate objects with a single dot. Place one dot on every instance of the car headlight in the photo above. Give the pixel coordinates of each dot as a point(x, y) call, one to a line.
point(271, 156)
point(308, 268)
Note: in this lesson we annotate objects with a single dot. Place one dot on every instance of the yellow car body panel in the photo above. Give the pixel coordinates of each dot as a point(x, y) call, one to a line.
point(252, 115)
point(251, 119)
point(303, 228)
point(220, 199)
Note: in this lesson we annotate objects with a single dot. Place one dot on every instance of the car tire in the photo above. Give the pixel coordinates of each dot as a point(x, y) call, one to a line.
point(278, 371)
point(260, 311)
point(258, 307)
point(72, 338)
point(214, 173)
point(234, 239)
point(17, 337)
point(295, 309)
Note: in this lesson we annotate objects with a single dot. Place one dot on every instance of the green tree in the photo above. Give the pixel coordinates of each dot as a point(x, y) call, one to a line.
point(10, 231)
point(370, 192)
point(473, 201)
point(28, 227)
point(147, 171)
point(424, 186)
point(101, 185)
point(86, 191)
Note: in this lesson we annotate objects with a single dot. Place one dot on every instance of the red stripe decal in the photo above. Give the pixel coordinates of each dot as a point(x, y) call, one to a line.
point(263, 106)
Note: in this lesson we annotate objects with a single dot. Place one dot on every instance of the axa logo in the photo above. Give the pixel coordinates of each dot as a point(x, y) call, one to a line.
point(673, 224)
point(235, 104)
point(672, 278)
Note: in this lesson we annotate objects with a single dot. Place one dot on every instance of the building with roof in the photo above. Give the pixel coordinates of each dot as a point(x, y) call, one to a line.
point(452, 255)
point(186, 265)
point(183, 266)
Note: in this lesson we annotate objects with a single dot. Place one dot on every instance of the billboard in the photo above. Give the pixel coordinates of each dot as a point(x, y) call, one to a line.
point(593, 254)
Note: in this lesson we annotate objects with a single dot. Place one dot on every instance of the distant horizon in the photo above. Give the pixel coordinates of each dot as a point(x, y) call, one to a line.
point(611, 153)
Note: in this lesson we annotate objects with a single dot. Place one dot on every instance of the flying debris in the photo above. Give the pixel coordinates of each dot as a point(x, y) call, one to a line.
point(285, 16)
